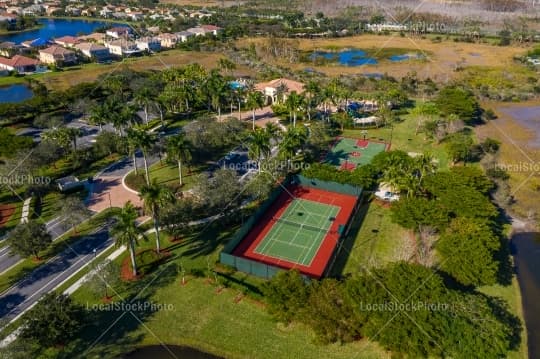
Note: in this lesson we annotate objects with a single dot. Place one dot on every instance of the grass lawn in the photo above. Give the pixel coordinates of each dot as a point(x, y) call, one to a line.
point(202, 314)
point(377, 242)
point(166, 174)
point(403, 138)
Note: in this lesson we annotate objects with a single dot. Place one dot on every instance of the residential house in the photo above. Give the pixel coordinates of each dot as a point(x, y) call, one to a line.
point(14, 10)
point(278, 90)
point(151, 44)
point(51, 10)
point(199, 15)
point(168, 40)
point(58, 56)
point(105, 12)
point(33, 10)
point(212, 29)
point(95, 37)
point(184, 36)
point(67, 41)
point(123, 47)
point(20, 64)
point(118, 32)
point(73, 10)
point(8, 49)
point(94, 51)
point(135, 16)
point(205, 30)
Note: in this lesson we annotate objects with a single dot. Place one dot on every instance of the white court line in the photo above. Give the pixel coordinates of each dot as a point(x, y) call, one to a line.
point(319, 247)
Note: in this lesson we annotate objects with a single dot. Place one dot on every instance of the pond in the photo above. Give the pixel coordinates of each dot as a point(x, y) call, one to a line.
point(526, 251)
point(15, 93)
point(52, 28)
point(352, 57)
point(528, 117)
point(160, 352)
point(357, 57)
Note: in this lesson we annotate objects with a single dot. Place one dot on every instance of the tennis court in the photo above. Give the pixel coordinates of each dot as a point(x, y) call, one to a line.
point(349, 153)
point(298, 233)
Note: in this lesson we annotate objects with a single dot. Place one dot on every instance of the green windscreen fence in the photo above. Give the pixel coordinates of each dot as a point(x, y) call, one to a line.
point(261, 269)
point(328, 186)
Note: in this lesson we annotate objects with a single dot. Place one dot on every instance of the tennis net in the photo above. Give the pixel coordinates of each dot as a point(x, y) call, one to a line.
point(302, 225)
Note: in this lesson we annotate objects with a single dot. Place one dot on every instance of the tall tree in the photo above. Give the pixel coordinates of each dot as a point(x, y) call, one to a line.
point(259, 146)
point(255, 101)
point(179, 149)
point(127, 233)
point(29, 238)
point(294, 103)
point(141, 139)
point(155, 197)
point(292, 141)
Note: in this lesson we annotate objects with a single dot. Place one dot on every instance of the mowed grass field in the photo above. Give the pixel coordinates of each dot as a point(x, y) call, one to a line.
point(439, 65)
point(205, 314)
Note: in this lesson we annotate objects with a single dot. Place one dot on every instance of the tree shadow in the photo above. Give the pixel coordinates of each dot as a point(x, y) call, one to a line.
point(348, 243)
point(110, 329)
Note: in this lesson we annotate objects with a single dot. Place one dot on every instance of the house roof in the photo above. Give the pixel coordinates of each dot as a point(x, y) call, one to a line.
point(291, 85)
point(89, 46)
point(56, 50)
point(211, 27)
point(184, 33)
point(119, 29)
point(7, 45)
point(67, 40)
point(18, 60)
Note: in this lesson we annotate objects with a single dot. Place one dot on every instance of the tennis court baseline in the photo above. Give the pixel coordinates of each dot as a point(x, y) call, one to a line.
point(297, 235)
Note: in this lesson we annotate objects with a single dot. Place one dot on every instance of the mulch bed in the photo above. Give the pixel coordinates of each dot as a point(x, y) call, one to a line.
point(6, 211)
point(126, 272)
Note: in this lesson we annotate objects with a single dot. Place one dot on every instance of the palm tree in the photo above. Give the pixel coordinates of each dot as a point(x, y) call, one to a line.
point(274, 132)
point(227, 65)
point(178, 148)
point(312, 90)
point(143, 98)
point(217, 89)
point(293, 140)
point(255, 100)
point(259, 146)
point(154, 197)
point(294, 102)
point(140, 139)
point(127, 233)
point(99, 116)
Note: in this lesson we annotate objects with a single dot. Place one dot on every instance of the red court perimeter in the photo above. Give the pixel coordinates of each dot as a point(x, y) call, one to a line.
point(246, 248)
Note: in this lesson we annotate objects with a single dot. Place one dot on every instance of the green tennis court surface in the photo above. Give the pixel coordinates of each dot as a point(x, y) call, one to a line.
point(297, 235)
point(348, 153)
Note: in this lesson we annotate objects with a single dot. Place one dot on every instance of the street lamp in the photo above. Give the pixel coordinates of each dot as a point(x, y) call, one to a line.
point(95, 252)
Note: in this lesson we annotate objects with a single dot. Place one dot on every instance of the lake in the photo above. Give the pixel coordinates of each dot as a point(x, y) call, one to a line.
point(526, 251)
point(15, 93)
point(57, 28)
point(159, 352)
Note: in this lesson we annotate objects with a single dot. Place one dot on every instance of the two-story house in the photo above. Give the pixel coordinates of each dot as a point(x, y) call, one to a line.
point(56, 55)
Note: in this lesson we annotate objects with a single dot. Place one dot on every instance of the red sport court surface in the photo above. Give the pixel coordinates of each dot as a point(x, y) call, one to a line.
point(300, 230)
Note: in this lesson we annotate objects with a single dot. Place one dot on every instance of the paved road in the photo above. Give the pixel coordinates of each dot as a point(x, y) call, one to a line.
point(52, 273)
point(55, 227)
